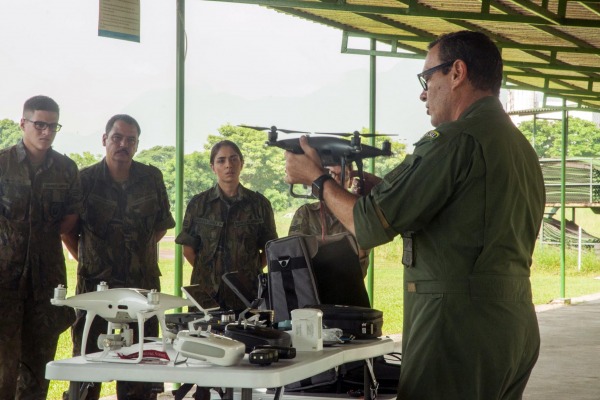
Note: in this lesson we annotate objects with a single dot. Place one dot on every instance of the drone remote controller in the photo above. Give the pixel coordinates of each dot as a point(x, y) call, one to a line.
point(206, 346)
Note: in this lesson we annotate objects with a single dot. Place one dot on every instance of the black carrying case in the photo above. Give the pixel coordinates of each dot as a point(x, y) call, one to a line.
point(252, 336)
point(361, 322)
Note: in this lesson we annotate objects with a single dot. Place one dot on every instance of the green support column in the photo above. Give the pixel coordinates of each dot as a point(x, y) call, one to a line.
point(179, 126)
point(563, 166)
point(371, 169)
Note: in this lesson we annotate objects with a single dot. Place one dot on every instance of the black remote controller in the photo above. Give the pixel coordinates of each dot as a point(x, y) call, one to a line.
point(283, 352)
point(263, 356)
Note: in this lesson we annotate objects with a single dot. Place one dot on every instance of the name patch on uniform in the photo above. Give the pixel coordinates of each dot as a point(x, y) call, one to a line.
point(431, 135)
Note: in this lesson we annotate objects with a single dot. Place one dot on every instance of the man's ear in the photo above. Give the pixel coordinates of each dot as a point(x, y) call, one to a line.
point(459, 73)
point(104, 137)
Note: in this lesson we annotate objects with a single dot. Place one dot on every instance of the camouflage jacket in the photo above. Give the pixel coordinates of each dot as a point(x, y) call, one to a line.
point(117, 242)
point(32, 206)
point(227, 236)
point(314, 219)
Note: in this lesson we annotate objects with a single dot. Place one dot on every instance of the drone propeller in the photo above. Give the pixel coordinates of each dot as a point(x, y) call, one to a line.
point(272, 129)
point(355, 133)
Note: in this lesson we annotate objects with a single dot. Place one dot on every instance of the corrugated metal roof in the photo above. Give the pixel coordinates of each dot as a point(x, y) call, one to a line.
point(552, 46)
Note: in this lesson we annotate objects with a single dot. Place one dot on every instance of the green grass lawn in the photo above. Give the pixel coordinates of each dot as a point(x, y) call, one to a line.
point(545, 279)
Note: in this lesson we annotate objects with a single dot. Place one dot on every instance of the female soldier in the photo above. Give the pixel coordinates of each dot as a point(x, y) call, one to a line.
point(225, 229)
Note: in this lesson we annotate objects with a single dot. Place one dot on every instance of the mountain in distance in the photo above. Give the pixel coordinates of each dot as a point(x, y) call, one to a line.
point(341, 106)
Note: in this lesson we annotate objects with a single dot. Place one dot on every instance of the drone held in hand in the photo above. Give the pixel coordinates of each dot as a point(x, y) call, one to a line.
point(332, 149)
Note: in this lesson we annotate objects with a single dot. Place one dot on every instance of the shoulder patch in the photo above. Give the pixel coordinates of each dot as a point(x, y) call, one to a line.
point(431, 135)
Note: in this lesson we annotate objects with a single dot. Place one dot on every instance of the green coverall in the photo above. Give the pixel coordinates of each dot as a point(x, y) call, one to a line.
point(468, 203)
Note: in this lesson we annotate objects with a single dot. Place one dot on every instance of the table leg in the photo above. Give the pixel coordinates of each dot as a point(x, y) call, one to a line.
point(370, 382)
point(73, 392)
point(278, 393)
point(246, 394)
point(228, 395)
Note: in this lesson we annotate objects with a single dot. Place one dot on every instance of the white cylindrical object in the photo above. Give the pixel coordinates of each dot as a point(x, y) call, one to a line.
point(153, 297)
point(60, 292)
point(307, 329)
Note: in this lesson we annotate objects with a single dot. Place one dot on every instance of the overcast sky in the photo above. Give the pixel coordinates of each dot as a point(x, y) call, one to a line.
point(253, 53)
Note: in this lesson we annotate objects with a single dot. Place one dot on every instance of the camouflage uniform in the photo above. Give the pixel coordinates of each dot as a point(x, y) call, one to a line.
point(468, 202)
point(227, 235)
point(307, 221)
point(32, 265)
point(117, 241)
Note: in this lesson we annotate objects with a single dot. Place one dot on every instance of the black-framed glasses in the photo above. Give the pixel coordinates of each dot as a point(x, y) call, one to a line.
point(41, 125)
point(425, 75)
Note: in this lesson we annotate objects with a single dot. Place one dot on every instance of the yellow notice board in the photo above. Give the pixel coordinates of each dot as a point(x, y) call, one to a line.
point(119, 19)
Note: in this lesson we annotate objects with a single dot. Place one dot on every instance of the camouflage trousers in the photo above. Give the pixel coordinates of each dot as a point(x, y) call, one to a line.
point(125, 390)
point(29, 335)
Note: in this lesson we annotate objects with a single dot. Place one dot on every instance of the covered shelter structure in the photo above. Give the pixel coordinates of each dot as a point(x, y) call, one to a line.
point(550, 46)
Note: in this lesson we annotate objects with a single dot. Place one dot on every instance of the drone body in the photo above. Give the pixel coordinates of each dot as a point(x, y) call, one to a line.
point(332, 150)
point(119, 307)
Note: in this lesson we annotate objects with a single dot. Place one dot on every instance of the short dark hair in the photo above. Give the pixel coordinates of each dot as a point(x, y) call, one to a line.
point(128, 119)
point(224, 143)
point(483, 59)
point(40, 103)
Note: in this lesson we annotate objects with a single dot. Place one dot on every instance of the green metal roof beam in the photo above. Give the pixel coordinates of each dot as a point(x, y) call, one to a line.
point(500, 44)
point(552, 30)
point(550, 76)
point(416, 12)
point(551, 109)
point(542, 12)
point(514, 64)
point(560, 67)
point(559, 49)
point(572, 95)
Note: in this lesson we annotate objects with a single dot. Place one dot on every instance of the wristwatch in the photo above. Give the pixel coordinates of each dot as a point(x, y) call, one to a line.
point(317, 186)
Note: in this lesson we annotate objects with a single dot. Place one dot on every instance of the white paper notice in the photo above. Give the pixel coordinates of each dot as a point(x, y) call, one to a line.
point(119, 19)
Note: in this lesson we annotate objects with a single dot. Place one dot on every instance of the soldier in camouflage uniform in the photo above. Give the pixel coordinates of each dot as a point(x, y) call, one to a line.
point(468, 203)
point(226, 228)
point(126, 212)
point(316, 219)
point(40, 198)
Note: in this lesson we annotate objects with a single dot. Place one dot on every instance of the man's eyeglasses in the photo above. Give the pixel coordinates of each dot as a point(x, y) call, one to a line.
point(118, 139)
point(41, 125)
point(425, 75)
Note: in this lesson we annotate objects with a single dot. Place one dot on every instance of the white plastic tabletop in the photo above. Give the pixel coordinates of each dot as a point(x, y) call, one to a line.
point(243, 375)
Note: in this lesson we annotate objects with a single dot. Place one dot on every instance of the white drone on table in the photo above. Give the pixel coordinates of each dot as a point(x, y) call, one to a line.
point(119, 307)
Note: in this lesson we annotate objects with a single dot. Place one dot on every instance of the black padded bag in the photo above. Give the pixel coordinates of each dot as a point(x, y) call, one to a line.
point(291, 283)
point(361, 322)
point(305, 270)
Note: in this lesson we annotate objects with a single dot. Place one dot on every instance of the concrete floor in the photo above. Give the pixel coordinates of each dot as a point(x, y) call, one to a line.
point(569, 364)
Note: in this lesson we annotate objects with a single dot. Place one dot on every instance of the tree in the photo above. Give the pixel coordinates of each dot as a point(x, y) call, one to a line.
point(157, 155)
point(10, 133)
point(583, 137)
point(86, 159)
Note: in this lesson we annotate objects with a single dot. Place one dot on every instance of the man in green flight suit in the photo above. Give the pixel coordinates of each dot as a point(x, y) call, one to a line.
point(468, 203)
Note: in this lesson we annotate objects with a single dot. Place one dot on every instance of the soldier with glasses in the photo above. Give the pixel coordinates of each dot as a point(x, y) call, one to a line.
point(40, 198)
point(468, 204)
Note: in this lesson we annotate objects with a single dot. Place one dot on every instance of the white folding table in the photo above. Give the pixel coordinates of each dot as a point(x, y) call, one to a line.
point(244, 375)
